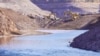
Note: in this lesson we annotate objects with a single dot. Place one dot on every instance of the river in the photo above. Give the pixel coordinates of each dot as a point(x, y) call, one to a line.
point(55, 44)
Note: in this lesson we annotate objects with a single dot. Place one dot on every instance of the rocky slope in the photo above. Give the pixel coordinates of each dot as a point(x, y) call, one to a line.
point(7, 26)
point(59, 6)
point(13, 22)
point(22, 22)
point(89, 40)
point(25, 7)
point(80, 23)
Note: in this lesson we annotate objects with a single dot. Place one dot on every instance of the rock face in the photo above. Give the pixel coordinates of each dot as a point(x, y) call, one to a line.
point(21, 21)
point(13, 22)
point(80, 23)
point(89, 40)
point(7, 26)
point(25, 7)
point(59, 6)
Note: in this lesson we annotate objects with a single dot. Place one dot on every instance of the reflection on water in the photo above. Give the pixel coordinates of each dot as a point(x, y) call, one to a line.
point(5, 40)
point(56, 44)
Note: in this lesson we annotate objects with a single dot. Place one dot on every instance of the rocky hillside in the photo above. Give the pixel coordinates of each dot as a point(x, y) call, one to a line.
point(25, 7)
point(7, 25)
point(89, 40)
point(59, 6)
point(22, 22)
point(13, 21)
point(80, 23)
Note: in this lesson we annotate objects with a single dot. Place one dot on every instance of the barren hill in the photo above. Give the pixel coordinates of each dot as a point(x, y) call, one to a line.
point(16, 20)
point(59, 6)
point(81, 23)
point(25, 7)
point(22, 22)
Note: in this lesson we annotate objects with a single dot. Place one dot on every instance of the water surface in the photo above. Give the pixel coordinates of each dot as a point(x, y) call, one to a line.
point(56, 44)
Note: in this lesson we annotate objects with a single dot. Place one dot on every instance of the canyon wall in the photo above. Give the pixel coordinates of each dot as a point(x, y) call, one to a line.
point(59, 6)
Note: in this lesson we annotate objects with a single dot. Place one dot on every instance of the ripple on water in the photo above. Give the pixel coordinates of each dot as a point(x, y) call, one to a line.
point(55, 44)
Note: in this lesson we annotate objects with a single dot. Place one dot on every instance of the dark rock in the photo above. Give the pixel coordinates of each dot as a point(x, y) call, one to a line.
point(89, 40)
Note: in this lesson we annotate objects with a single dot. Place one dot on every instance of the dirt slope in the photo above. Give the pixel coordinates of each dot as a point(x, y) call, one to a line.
point(26, 7)
point(80, 23)
point(7, 25)
point(15, 21)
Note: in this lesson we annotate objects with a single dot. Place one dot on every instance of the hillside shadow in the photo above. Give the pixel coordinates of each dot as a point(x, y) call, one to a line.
point(50, 1)
point(92, 26)
point(90, 39)
point(57, 7)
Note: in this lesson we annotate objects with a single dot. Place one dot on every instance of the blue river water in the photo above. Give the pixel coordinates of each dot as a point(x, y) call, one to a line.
point(55, 44)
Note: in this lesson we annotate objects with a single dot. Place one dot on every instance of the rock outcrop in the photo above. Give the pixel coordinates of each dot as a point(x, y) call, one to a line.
point(21, 21)
point(7, 26)
point(13, 22)
point(89, 40)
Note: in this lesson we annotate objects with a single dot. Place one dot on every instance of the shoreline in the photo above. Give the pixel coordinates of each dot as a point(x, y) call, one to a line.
point(27, 33)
